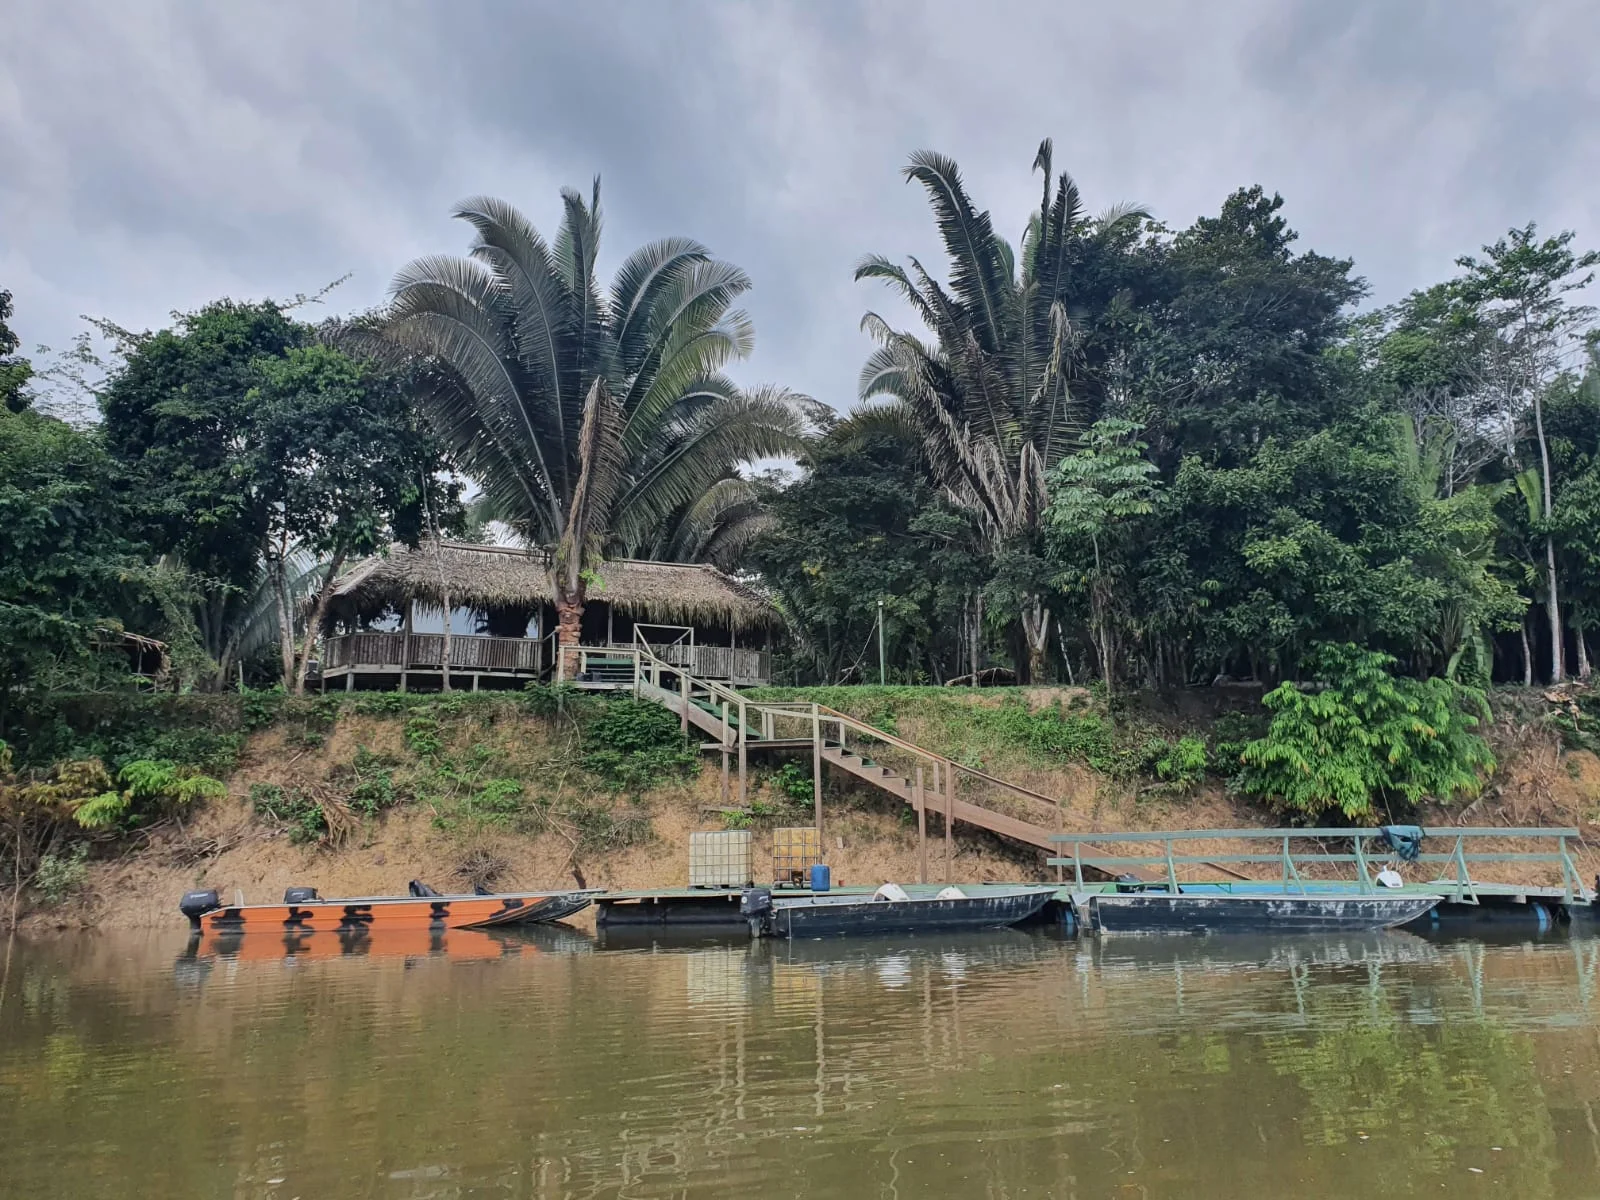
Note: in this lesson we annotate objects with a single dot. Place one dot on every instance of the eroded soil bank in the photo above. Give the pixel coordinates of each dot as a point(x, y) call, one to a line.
point(355, 800)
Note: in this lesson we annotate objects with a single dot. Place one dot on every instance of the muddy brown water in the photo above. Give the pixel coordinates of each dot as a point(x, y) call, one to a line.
point(996, 1066)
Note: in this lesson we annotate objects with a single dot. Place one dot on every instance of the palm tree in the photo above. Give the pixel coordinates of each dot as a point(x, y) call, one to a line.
point(593, 419)
point(990, 398)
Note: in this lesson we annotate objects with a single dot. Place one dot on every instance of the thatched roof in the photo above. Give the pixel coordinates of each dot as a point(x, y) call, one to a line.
point(504, 577)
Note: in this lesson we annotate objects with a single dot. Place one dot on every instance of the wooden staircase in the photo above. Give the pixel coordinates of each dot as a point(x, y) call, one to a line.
point(959, 810)
point(738, 725)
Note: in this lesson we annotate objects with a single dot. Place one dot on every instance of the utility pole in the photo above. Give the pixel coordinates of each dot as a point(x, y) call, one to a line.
point(882, 679)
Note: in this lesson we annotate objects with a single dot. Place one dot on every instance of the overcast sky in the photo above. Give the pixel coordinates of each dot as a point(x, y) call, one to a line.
point(156, 155)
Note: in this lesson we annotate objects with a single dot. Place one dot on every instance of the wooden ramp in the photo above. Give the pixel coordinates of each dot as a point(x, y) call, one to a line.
point(737, 725)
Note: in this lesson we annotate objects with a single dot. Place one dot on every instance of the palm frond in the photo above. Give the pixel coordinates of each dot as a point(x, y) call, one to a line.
point(976, 273)
point(638, 282)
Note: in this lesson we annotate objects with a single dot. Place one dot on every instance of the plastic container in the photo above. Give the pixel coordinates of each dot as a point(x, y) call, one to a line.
point(719, 858)
point(821, 877)
point(794, 852)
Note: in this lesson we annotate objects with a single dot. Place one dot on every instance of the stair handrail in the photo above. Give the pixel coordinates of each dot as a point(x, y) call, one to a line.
point(796, 708)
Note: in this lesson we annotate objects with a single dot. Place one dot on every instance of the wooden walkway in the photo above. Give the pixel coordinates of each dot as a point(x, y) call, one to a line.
point(925, 781)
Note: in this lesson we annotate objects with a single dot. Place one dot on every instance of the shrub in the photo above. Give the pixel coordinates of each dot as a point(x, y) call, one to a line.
point(792, 781)
point(59, 875)
point(634, 745)
point(297, 810)
point(547, 699)
point(497, 800)
point(422, 736)
point(151, 788)
point(1363, 734)
point(1178, 765)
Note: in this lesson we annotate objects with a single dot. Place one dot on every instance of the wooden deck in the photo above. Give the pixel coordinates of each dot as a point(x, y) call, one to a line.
point(392, 659)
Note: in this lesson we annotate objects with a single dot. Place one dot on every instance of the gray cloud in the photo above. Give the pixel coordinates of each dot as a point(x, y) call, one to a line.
point(157, 155)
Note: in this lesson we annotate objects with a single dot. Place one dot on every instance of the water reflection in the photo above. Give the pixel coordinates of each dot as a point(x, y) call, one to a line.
point(548, 1064)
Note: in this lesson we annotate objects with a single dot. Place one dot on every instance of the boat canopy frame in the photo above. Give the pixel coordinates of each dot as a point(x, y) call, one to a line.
point(1362, 855)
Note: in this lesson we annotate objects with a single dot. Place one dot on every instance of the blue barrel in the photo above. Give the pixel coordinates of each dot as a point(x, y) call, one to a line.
point(820, 878)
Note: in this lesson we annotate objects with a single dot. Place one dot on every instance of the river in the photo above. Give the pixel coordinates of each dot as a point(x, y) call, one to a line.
point(1000, 1066)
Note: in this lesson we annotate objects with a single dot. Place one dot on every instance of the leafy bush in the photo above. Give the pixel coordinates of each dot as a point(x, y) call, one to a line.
point(422, 736)
point(59, 875)
point(547, 699)
point(260, 707)
point(634, 745)
point(498, 800)
point(792, 781)
point(1363, 734)
point(150, 788)
point(1178, 765)
point(299, 811)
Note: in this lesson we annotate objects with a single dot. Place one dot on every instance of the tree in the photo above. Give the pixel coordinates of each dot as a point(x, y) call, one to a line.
point(590, 418)
point(69, 574)
point(344, 467)
point(1520, 289)
point(864, 525)
point(181, 425)
point(14, 371)
point(990, 399)
point(1096, 495)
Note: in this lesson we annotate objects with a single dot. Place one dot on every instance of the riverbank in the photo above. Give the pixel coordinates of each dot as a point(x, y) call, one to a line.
point(358, 795)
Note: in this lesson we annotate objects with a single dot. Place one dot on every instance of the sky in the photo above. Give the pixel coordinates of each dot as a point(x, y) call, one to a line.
point(158, 154)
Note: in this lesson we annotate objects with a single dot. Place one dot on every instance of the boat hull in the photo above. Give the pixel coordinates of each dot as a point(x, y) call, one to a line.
point(840, 917)
point(399, 912)
point(1160, 913)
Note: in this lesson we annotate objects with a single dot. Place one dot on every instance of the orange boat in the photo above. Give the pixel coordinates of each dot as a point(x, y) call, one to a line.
point(303, 911)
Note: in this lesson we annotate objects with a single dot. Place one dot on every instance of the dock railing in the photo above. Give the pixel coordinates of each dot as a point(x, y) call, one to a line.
point(1367, 846)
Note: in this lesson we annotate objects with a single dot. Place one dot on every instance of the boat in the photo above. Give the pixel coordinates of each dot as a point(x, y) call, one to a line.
point(304, 911)
point(889, 910)
point(1247, 912)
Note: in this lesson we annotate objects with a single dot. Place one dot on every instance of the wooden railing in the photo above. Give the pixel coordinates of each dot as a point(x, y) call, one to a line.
point(742, 667)
point(425, 651)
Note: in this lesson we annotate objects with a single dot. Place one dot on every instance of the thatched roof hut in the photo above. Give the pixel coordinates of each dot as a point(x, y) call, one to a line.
point(505, 577)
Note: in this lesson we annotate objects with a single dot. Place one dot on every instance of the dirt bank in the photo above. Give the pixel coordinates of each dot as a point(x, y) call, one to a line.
point(490, 793)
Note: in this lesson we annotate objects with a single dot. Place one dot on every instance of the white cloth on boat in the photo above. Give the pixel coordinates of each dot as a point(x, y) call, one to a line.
point(951, 893)
point(890, 891)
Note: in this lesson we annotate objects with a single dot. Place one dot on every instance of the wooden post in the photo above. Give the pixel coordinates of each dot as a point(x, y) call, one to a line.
point(816, 770)
point(683, 692)
point(922, 830)
point(444, 661)
point(1061, 827)
point(405, 645)
point(724, 753)
point(744, 733)
point(949, 807)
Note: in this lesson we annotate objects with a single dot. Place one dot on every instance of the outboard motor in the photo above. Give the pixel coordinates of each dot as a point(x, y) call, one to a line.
point(300, 895)
point(195, 905)
point(755, 906)
point(418, 888)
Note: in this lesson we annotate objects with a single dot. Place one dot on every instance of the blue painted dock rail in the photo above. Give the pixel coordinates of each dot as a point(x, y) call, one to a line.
point(1368, 846)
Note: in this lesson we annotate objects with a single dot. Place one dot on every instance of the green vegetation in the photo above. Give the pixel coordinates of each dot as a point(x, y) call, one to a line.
point(637, 745)
point(1119, 455)
point(1360, 738)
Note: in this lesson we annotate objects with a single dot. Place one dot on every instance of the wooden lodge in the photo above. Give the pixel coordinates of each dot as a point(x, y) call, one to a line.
point(386, 625)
